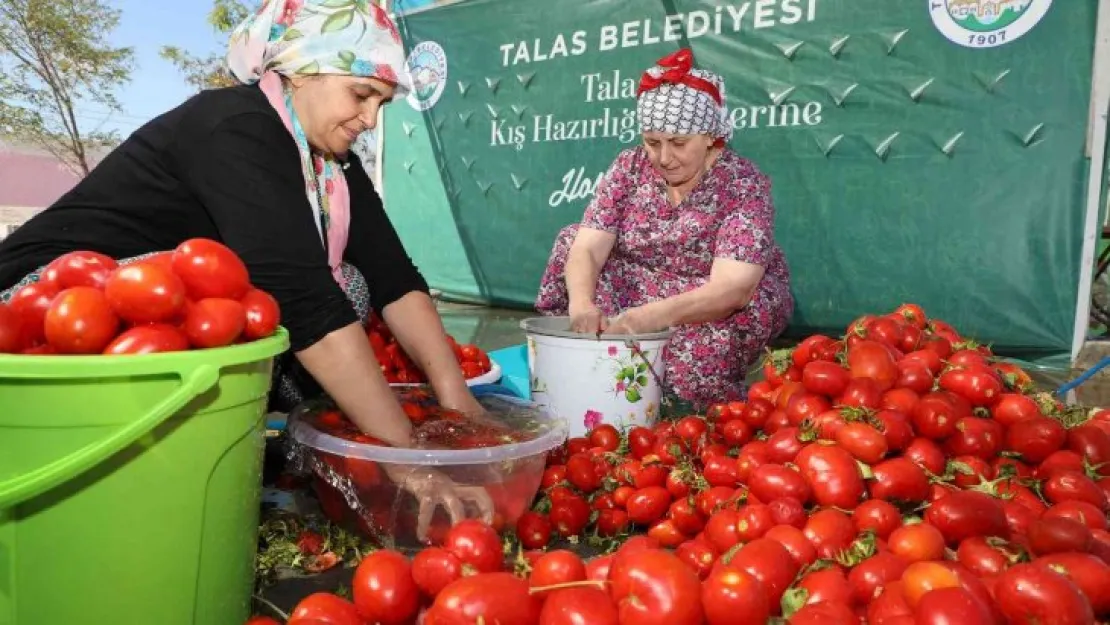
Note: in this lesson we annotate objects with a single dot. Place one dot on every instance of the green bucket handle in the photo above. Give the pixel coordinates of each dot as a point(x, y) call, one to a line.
point(197, 380)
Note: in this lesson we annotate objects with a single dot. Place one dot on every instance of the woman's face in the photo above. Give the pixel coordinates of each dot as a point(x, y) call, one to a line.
point(335, 110)
point(678, 158)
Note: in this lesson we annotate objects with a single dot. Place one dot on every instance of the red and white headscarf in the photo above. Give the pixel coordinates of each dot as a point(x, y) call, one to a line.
point(676, 98)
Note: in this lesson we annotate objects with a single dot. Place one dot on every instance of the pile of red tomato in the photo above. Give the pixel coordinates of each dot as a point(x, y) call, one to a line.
point(898, 475)
point(398, 368)
point(197, 296)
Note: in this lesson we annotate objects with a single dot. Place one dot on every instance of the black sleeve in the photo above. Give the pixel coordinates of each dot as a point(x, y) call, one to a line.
point(247, 174)
point(373, 246)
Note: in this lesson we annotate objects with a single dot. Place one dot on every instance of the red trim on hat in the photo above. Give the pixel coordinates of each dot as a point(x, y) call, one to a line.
point(677, 68)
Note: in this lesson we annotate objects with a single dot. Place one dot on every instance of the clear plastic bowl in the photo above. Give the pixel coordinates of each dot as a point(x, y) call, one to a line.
point(353, 480)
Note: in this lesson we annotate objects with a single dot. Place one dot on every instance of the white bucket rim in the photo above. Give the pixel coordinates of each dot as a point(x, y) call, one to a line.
point(553, 327)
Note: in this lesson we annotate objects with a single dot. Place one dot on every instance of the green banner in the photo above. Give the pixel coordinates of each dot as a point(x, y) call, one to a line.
point(920, 150)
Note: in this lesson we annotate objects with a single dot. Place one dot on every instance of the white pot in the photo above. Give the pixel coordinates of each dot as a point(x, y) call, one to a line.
point(587, 380)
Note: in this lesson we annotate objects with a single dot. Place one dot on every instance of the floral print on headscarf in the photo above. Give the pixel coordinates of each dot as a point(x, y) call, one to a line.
point(313, 37)
point(347, 37)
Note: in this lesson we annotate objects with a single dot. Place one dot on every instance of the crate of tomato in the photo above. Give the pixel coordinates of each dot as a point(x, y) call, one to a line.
point(399, 368)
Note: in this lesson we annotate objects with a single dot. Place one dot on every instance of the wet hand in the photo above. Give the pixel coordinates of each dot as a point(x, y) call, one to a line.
point(588, 320)
point(639, 320)
point(434, 490)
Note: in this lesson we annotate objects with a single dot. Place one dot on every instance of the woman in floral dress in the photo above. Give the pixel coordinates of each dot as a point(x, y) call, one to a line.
point(680, 234)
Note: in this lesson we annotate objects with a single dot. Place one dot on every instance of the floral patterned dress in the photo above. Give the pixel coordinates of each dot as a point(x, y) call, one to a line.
point(663, 250)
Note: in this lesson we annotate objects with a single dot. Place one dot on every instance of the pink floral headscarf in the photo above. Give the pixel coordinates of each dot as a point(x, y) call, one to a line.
point(312, 37)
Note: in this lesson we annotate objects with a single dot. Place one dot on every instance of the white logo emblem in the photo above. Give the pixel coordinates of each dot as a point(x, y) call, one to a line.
point(427, 64)
point(986, 23)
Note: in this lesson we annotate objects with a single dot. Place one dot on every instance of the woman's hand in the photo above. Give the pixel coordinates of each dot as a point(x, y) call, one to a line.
point(587, 320)
point(638, 320)
point(434, 490)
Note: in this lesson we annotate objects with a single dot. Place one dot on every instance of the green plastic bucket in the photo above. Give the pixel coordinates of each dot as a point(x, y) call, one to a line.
point(130, 485)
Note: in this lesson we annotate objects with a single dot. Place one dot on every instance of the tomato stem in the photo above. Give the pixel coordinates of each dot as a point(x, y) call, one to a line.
point(600, 585)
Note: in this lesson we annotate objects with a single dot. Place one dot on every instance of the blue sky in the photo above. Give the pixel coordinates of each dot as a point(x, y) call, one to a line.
point(156, 86)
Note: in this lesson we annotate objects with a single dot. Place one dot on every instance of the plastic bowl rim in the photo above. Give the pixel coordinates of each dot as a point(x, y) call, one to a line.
point(309, 436)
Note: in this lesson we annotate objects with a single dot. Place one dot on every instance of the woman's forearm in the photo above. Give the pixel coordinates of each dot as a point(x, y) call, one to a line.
point(344, 364)
point(582, 271)
point(415, 323)
point(706, 303)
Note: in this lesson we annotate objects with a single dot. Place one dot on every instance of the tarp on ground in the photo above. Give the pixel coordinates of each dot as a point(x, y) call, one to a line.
point(920, 150)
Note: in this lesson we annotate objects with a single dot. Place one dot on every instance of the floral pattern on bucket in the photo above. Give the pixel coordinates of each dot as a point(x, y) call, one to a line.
point(630, 374)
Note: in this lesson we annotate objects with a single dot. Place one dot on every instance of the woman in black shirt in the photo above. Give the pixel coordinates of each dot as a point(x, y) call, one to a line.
point(265, 168)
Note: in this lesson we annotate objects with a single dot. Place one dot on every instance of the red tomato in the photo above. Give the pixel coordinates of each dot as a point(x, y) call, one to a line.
point(533, 530)
point(384, 590)
point(980, 385)
point(731, 596)
point(1013, 407)
point(654, 587)
point(920, 578)
point(1081, 511)
point(556, 567)
point(870, 576)
point(769, 482)
point(80, 321)
point(1028, 593)
point(877, 516)
point(833, 476)
point(927, 455)
point(861, 393)
point(721, 529)
point(434, 568)
point(831, 531)
point(963, 514)
point(824, 614)
point(648, 505)
point(1093, 444)
point(935, 416)
point(873, 360)
point(606, 437)
point(262, 314)
point(568, 516)
point(916, 543)
point(475, 544)
point(1065, 485)
point(577, 606)
point(262, 620)
point(214, 322)
point(324, 608)
point(1058, 535)
point(210, 270)
point(985, 556)
point(825, 378)
point(148, 339)
point(1035, 439)
point(31, 303)
point(915, 376)
point(145, 293)
point(952, 605)
point(900, 480)
point(13, 338)
point(768, 561)
point(826, 586)
point(641, 441)
point(89, 269)
point(612, 522)
point(864, 442)
point(1087, 572)
point(795, 542)
point(501, 598)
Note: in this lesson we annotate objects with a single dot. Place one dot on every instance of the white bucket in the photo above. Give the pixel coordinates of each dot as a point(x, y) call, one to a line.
point(588, 381)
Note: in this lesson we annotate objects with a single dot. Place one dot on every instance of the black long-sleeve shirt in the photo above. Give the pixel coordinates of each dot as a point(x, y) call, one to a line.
point(222, 166)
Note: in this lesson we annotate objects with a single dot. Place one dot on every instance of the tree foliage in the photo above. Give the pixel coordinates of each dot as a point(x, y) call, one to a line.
point(211, 72)
point(54, 61)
